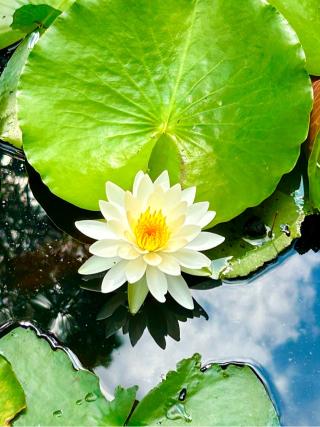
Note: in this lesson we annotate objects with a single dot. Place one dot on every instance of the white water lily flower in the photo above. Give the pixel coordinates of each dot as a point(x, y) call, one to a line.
point(148, 237)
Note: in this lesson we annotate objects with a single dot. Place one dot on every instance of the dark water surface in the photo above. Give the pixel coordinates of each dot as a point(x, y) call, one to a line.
point(271, 321)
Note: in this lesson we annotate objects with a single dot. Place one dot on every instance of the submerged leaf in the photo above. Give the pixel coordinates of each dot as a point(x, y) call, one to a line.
point(304, 16)
point(12, 398)
point(56, 393)
point(183, 86)
point(229, 396)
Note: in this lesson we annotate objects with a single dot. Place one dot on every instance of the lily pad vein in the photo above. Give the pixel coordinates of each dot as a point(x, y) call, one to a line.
point(183, 60)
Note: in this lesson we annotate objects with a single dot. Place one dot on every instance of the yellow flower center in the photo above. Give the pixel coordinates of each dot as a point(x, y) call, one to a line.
point(151, 230)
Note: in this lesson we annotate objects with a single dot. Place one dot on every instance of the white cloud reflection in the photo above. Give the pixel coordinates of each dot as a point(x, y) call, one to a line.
point(248, 322)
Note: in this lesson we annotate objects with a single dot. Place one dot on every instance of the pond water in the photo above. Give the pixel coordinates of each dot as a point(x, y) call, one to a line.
point(271, 321)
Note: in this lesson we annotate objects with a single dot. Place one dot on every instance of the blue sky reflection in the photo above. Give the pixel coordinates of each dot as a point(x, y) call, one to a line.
point(273, 322)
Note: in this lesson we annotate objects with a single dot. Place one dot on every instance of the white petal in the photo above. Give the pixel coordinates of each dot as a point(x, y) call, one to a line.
point(177, 223)
point(157, 283)
point(173, 196)
point(187, 232)
point(188, 195)
point(118, 228)
point(135, 270)
point(109, 210)
point(205, 241)
point(152, 258)
point(128, 252)
point(207, 218)
point(163, 180)
point(175, 212)
point(191, 259)
point(196, 212)
point(144, 190)
point(114, 278)
point(136, 183)
point(107, 248)
point(169, 265)
point(95, 229)
point(96, 264)
point(156, 200)
point(179, 290)
point(174, 245)
point(115, 194)
point(137, 293)
point(132, 205)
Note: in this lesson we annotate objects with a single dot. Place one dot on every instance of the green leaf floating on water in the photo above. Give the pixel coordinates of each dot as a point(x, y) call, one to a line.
point(12, 398)
point(304, 16)
point(212, 90)
point(231, 396)
point(20, 17)
point(261, 233)
point(9, 126)
point(57, 394)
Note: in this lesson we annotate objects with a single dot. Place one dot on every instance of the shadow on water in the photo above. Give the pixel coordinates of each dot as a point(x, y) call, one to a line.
point(272, 322)
point(62, 213)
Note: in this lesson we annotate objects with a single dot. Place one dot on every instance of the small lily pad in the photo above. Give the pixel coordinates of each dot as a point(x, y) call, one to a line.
point(259, 234)
point(12, 398)
point(56, 393)
point(220, 396)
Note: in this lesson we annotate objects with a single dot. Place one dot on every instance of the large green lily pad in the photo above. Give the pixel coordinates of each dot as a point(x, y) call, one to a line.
point(56, 393)
point(12, 399)
point(20, 17)
point(229, 396)
point(304, 16)
point(261, 233)
point(9, 126)
point(200, 88)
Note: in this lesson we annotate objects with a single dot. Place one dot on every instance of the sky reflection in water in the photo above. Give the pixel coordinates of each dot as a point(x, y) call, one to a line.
point(272, 322)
